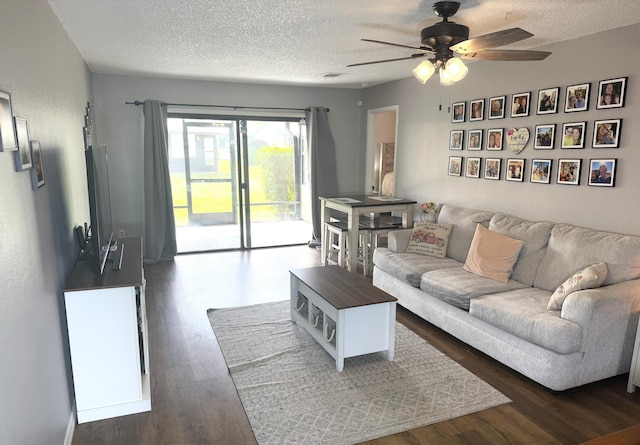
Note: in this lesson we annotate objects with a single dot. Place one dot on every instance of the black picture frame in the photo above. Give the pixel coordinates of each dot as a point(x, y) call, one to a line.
point(8, 140)
point(476, 110)
point(458, 112)
point(455, 166)
point(606, 133)
point(496, 107)
point(472, 169)
point(569, 171)
point(456, 139)
point(548, 100)
point(474, 140)
point(37, 172)
point(492, 167)
point(515, 170)
point(23, 155)
point(545, 137)
point(602, 172)
point(541, 171)
point(495, 139)
point(573, 134)
point(611, 93)
point(577, 98)
point(520, 104)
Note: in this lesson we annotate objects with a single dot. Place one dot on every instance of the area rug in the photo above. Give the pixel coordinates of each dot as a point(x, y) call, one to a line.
point(292, 393)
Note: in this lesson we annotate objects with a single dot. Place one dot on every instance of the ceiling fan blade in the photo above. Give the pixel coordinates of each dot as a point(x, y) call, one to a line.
point(423, 48)
point(506, 55)
point(412, 56)
point(493, 40)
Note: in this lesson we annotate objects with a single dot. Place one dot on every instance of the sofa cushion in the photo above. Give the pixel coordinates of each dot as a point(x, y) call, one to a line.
point(535, 236)
point(409, 267)
point(572, 248)
point(464, 225)
point(587, 278)
point(523, 313)
point(430, 239)
point(492, 255)
point(456, 286)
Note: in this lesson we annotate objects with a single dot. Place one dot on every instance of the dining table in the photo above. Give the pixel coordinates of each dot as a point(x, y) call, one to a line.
point(355, 205)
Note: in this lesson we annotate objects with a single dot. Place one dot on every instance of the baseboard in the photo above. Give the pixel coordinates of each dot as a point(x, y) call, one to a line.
point(71, 426)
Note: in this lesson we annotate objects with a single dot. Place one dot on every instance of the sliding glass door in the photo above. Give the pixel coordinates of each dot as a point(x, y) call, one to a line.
point(238, 182)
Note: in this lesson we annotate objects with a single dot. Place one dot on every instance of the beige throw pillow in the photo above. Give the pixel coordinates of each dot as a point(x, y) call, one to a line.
point(430, 239)
point(588, 278)
point(492, 255)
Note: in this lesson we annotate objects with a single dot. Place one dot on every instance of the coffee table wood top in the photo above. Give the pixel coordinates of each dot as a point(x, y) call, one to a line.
point(341, 288)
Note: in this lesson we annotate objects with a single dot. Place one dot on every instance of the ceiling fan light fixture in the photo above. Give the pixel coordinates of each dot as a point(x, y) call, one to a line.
point(445, 77)
point(424, 71)
point(456, 69)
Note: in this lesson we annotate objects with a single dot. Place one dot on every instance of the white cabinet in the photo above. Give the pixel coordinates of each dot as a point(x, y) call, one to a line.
point(107, 326)
point(634, 373)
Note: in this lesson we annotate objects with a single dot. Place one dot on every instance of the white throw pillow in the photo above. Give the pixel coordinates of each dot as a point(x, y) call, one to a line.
point(430, 239)
point(588, 278)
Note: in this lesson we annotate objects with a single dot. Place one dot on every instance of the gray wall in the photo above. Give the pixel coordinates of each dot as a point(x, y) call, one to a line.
point(119, 126)
point(50, 86)
point(423, 133)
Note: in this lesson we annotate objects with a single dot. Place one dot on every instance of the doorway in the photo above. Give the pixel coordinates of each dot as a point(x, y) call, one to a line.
point(237, 182)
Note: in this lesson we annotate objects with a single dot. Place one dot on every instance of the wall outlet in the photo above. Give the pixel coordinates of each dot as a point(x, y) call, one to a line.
point(121, 233)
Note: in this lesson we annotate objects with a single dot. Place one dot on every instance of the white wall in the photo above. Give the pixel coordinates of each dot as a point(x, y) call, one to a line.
point(119, 126)
point(50, 86)
point(423, 135)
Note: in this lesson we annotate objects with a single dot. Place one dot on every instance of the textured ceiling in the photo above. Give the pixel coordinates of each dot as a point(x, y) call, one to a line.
point(295, 42)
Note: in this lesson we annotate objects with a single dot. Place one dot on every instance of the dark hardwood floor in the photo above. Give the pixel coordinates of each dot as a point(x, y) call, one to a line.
point(194, 400)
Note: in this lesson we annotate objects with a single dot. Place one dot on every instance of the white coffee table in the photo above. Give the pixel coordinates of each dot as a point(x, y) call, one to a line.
point(344, 312)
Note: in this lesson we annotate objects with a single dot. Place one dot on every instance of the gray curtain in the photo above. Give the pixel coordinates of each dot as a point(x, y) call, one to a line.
point(159, 239)
point(322, 156)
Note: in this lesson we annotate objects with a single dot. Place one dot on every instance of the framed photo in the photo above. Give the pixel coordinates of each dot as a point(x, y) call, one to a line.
point(476, 111)
point(569, 171)
point(7, 134)
point(520, 104)
point(473, 168)
point(455, 165)
point(496, 107)
point(37, 172)
point(541, 171)
point(456, 139)
point(573, 134)
point(548, 100)
point(606, 134)
point(577, 98)
point(475, 140)
point(492, 168)
point(23, 155)
point(457, 112)
point(515, 170)
point(602, 172)
point(494, 138)
point(545, 137)
point(611, 93)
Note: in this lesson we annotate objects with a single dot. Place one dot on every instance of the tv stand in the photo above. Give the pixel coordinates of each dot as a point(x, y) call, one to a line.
point(108, 338)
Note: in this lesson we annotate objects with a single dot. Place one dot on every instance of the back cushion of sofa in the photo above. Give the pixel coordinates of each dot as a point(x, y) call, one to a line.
point(535, 236)
point(464, 226)
point(572, 248)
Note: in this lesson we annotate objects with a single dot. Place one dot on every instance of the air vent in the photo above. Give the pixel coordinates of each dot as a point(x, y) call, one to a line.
point(331, 75)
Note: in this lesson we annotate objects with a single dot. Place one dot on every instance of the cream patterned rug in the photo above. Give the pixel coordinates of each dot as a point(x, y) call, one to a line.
point(293, 395)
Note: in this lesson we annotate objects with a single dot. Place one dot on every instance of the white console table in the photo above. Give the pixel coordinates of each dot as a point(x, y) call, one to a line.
point(108, 340)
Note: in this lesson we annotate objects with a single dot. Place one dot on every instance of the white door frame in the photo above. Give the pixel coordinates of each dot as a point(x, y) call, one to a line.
point(372, 146)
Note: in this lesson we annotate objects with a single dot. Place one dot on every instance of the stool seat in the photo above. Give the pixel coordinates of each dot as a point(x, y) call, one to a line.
point(336, 246)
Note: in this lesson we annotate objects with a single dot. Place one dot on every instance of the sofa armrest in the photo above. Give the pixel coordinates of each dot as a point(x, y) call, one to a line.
point(608, 316)
point(399, 240)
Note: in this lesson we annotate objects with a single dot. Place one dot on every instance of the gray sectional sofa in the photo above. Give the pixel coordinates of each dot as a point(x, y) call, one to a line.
point(589, 339)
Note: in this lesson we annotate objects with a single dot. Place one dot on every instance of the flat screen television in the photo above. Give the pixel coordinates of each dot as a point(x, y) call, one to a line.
point(100, 236)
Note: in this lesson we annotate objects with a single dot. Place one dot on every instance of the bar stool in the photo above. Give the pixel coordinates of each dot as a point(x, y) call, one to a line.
point(336, 245)
point(375, 230)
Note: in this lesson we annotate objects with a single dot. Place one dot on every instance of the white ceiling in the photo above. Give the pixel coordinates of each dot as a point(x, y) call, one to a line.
point(295, 42)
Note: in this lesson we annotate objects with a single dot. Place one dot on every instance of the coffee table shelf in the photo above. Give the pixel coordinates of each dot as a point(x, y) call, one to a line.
point(343, 312)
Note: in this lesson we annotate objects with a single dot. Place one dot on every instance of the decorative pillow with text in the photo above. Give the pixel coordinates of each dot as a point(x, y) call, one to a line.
point(430, 239)
point(492, 255)
point(588, 278)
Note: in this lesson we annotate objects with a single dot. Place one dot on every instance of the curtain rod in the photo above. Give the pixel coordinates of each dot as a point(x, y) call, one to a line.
point(231, 107)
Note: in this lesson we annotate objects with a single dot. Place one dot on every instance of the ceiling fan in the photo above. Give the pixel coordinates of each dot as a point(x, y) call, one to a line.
point(442, 40)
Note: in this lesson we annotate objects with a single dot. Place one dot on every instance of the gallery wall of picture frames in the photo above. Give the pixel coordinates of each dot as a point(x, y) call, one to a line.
point(27, 153)
point(571, 133)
